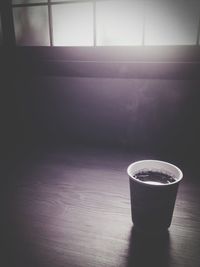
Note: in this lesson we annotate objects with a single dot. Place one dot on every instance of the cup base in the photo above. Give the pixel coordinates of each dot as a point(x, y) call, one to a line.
point(150, 231)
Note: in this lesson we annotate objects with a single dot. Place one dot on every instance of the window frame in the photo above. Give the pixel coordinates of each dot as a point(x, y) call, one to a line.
point(132, 62)
point(49, 5)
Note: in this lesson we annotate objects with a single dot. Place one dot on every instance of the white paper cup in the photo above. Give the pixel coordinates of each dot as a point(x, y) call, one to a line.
point(152, 204)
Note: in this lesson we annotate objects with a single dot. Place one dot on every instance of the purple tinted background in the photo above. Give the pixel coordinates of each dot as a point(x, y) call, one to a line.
point(61, 101)
point(145, 115)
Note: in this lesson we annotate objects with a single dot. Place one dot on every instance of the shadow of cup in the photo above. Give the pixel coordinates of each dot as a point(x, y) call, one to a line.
point(148, 249)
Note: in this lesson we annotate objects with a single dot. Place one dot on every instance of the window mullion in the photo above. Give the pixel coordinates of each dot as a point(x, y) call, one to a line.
point(198, 33)
point(50, 23)
point(94, 23)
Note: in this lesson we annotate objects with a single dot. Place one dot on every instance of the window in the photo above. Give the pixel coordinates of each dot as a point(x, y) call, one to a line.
point(31, 25)
point(172, 22)
point(106, 22)
point(119, 22)
point(72, 24)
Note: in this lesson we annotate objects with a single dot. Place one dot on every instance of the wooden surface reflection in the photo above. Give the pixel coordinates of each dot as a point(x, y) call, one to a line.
point(73, 209)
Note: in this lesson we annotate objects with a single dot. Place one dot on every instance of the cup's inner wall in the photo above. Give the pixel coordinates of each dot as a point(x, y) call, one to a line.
point(157, 166)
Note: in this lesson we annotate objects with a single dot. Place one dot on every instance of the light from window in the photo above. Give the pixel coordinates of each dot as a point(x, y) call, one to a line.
point(28, 1)
point(66, 0)
point(171, 22)
point(119, 22)
point(31, 25)
point(73, 24)
point(106, 22)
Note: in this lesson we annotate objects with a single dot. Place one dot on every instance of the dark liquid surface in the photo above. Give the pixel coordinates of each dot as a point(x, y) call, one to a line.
point(154, 177)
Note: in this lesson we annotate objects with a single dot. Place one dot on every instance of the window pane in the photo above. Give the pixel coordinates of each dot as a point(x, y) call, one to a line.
point(31, 25)
point(73, 24)
point(171, 22)
point(119, 22)
point(28, 1)
point(65, 0)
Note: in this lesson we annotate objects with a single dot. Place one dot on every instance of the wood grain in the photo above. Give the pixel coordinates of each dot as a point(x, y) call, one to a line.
point(72, 208)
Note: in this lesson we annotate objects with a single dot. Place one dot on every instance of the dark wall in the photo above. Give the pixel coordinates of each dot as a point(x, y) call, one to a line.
point(151, 115)
point(155, 115)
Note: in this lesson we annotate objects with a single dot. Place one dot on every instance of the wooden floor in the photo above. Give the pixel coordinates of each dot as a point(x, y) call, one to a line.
point(72, 209)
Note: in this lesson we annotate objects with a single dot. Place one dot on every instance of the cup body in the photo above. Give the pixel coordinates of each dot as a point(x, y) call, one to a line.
point(152, 205)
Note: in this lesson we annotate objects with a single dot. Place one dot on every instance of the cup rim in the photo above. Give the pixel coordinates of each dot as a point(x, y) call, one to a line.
point(179, 178)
